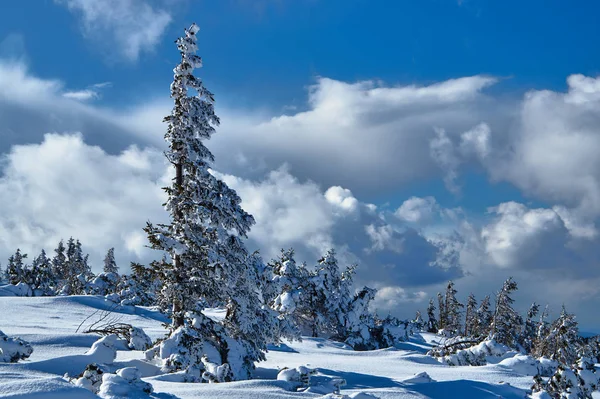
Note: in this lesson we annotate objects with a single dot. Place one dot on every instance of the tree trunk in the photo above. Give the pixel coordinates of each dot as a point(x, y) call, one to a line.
point(178, 319)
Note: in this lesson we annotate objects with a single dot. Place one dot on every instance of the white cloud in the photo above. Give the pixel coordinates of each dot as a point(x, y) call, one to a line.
point(443, 153)
point(393, 297)
point(81, 95)
point(92, 92)
point(131, 26)
point(355, 131)
point(476, 141)
point(73, 189)
point(520, 235)
point(552, 153)
point(417, 210)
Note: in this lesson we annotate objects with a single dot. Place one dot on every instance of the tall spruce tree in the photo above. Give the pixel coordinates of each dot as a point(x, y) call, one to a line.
point(15, 269)
point(452, 309)
point(432, 323)
point(443, 316)
point(110, 265)
point(470, 315)
point(483, 318)
point(209, 264)
point(506, 322)
point(207, 221)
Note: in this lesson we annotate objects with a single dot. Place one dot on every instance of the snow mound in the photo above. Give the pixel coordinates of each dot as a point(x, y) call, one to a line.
point(527, 365)
point(359, 395)
point(13, 349)
point(325, 385)
point(138, 339)
point(104, 350)
point(488, 351)
point(20, 289)
point(126, 383)
point(421, 378)
point(298, 377)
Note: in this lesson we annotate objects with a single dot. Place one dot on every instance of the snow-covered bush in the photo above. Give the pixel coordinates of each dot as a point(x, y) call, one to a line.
point(577, 382)
point(90, 378)
point(126, 383)
point(138, 340)
point(13, 349)
point(206, 351)
point(476, 355)
point(298, 377)
point(103, 284)
point(104, 350)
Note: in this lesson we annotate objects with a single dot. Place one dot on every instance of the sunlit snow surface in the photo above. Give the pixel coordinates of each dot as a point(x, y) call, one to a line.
point(49, 324)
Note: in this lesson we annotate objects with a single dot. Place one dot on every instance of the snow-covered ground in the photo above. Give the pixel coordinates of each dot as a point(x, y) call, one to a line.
point(49, 324)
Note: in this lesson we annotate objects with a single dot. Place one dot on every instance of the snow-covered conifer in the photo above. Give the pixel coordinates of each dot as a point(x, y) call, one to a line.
point(333, 292)
point(208, 259)
point(441, 311)
point(483, 319)
point(110, 265)
point(361, 322)
point(506, 322)
point(15, 269)
point(43, 280)
point(470, 315)
point(59, 261)
point(561, 342)
point(432, 323)
point(528, 336)
point(452, 310)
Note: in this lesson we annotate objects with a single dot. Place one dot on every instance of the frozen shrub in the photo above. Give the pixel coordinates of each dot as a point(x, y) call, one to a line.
point(13, 349)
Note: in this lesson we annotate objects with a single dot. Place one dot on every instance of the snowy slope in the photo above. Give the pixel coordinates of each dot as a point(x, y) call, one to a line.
point(49, 324)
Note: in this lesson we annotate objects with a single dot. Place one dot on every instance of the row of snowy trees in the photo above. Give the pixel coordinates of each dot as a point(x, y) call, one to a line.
point(65, 273)
point(533, 334)
point(69, 273)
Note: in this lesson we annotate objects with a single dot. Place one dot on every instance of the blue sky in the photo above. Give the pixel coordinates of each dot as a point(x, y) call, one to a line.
point(264, 53)
point(425, 140)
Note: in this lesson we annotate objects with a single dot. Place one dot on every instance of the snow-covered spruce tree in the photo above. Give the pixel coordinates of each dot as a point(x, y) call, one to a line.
point(42, 276)
point(77, 270)
point(561, 342)
point(452, 310)
point(483, 319)
point(209, 261)
point(360, 321)
point(110, 265)
point(140, 287)
point(576, 382)
point(506, 322)
point(333, 295)
point(441, 311)
point(59, 264)
point(432, 323)
point(470, 315)
point(15, 269)
point(285, 290)
point(528, 337)
point(106, 282)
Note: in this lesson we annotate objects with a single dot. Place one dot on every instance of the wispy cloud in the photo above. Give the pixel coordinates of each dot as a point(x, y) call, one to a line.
point(92, 92)
point(131, 27)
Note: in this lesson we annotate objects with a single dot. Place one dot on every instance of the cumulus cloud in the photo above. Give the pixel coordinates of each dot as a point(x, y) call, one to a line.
point(519, 235)
point(417, 210)
point(131, 26)
point(354, 131)
point(73, 189)
point(552, 153)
